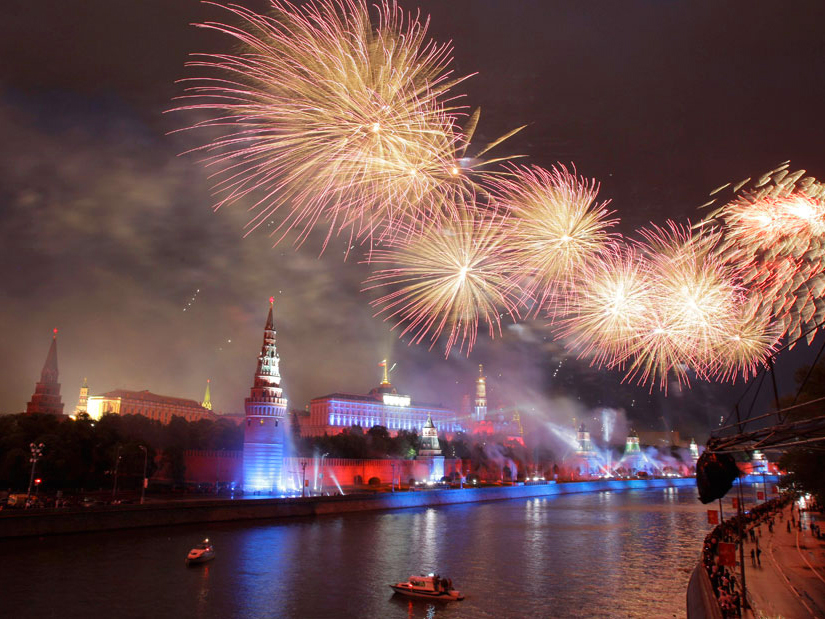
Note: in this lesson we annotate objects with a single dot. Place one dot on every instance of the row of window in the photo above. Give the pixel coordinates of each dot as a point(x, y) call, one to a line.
point(391, 424)
point(163, 416)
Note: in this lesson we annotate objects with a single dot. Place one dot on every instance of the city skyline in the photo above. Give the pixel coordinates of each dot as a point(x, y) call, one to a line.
point(108, 234)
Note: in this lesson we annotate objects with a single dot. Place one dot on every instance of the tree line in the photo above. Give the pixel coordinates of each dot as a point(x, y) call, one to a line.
point(81, 454)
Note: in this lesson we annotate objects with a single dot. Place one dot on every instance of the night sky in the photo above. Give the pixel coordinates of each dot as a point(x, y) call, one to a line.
point(107, 233)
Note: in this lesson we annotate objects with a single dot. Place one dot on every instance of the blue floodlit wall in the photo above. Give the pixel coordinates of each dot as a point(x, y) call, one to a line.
point(263, 454)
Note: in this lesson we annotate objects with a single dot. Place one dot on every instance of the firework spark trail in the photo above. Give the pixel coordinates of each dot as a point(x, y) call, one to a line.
point(773, 230)
point(451, 277)
point(329, 117)
point(608, 306)
point(561, 227)
point(752, 338)
point(694, 301)
point(665, 306)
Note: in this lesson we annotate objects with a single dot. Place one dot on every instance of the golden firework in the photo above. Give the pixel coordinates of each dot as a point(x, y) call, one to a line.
point(449, 278)
point(561, 226)
point(328, 119)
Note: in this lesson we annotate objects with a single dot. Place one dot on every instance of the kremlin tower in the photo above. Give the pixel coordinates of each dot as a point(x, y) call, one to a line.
point(207, 397)
point(694, 452)
point(583, 440)
point(586, 458)
point(480, 408)
point(265, 408)
point(633, 459)
point(632, 447)
point(83, 399)
point(429, 450)
point(46, 396)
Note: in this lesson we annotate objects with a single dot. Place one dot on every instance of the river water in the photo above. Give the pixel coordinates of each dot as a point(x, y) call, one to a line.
point(608, 554)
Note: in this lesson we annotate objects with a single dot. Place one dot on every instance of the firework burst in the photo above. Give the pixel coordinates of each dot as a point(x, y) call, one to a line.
point(328, 119)
point(694, 300)
point(751, 338)
point(449, 278)
point(560, 228)
point(609, 306)
point(664, 307)
point(773, 232)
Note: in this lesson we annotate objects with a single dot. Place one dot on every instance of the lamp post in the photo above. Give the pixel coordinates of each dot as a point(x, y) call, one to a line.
point(144, 480)
point(322, 472)
point(303, 477)
point(117, 463)
point(392, 479)
point(36, 452)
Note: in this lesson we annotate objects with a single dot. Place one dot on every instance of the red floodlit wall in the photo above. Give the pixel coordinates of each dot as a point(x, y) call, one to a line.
point(227, 466)
point(352, 472)
point(213, 466)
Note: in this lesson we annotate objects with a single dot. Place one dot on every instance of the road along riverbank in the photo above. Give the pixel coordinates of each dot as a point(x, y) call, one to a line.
point(106, 518)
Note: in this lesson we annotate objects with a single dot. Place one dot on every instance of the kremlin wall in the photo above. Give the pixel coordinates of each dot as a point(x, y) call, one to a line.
point(264, 465)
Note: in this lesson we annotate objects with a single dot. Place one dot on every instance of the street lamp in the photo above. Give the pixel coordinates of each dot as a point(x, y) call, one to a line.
point(303, 477)
point(392, 479)
point(322, 472)
point(36, 452)
point(117, 463)
point(145, 462)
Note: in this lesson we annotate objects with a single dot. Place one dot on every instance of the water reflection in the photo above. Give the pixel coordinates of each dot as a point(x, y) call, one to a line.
point(585, 555)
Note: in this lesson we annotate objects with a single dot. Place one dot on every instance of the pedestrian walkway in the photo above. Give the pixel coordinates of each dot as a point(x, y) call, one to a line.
point(791, 579)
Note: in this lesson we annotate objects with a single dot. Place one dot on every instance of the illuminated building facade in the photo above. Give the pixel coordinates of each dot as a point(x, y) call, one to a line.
point(382, 406)
point(264, 428)
point(46, 396)
point(147, 404)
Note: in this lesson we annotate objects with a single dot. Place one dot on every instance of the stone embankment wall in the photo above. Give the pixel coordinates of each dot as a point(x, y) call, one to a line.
point(21, 523)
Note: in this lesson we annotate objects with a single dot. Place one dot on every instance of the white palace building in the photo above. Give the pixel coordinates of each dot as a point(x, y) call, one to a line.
point(382, 406)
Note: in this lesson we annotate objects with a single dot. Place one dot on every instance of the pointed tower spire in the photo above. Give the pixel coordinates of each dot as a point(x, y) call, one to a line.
point(263, 452)
point(49, 372)
point(270, 325)
point(46, 396)
point(207, 398)
point(386, 379)
point(480, 410)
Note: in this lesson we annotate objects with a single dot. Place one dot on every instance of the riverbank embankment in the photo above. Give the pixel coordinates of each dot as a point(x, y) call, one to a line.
point(106, 518)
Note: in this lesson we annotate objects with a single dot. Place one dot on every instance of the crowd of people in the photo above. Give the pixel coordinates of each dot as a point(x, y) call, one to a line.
point(725, 585)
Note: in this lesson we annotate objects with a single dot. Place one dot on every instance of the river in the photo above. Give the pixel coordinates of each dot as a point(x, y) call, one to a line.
point(607, 554)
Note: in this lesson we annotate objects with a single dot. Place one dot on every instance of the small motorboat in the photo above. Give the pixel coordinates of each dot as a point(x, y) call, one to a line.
point(429, 587)
point(201, 553)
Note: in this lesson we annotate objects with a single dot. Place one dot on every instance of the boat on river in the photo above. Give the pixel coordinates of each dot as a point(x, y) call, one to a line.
point(429, 587)
point(201, 553)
